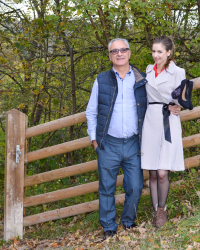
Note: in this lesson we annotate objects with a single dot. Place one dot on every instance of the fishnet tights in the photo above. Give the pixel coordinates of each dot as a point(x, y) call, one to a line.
point(159, 187)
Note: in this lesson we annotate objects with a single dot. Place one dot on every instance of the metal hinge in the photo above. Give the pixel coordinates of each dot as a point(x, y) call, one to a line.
point(18, 153)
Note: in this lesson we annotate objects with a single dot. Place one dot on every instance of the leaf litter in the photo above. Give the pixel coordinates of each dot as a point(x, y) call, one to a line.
point(179, 230)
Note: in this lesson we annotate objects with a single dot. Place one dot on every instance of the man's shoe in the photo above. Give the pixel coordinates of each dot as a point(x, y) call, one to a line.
point(108, 234)
point(129, 227)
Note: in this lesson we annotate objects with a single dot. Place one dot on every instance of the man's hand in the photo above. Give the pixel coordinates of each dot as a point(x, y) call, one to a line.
point(94, 143)
point(175, 109)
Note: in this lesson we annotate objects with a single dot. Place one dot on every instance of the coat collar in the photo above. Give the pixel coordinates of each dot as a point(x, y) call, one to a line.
point(170, 69)
point(162, 77)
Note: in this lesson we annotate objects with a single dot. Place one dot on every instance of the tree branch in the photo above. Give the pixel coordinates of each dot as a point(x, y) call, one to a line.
point(96, 32)
point(47, 140)
point(104, 26)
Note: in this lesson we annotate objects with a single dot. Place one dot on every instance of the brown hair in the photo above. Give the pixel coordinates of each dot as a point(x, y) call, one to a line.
point(169, 45)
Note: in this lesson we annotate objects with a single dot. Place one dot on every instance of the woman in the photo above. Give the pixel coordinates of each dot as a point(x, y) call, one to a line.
point(162, 148)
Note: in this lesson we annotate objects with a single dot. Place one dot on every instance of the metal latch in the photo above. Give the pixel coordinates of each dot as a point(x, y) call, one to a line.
point(18, 153)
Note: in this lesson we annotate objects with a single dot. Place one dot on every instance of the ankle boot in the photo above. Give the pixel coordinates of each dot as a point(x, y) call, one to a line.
point(161, 216)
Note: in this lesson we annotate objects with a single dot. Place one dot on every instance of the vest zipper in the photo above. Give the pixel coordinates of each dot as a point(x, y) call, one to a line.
point(139, 150)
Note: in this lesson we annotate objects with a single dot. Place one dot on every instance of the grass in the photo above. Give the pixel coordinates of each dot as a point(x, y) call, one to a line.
point(180, 233)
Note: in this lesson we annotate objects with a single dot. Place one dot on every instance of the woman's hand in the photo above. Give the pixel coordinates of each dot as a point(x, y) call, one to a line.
point(175, 109)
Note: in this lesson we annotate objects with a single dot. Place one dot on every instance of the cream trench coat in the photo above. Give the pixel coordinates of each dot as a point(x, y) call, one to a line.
point(156, 152)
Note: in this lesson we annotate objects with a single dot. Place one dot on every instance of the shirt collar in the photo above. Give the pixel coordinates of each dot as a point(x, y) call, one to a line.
point(129, 73)
point(155, 69)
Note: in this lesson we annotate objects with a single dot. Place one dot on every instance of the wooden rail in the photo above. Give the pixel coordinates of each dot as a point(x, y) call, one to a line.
point(58, 149)
point(87, 188)
point(60, 173)
point(92, 205)
point(81, 117)
point(86, 167)
point(187, 115)
point(190, 141)
point(196, 83)
point(55, 125)
point(78, 209)
point(83, 143)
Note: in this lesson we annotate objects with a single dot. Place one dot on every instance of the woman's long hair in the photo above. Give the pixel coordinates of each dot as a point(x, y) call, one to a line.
point(169, 45)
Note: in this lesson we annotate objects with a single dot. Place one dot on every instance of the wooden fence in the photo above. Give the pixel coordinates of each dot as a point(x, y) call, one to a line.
point(15, 177)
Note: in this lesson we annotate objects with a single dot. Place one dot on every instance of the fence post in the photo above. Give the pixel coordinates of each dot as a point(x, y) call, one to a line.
point(14, 174)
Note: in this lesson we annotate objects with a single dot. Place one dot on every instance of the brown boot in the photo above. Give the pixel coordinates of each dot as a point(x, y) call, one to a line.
point(161, 216)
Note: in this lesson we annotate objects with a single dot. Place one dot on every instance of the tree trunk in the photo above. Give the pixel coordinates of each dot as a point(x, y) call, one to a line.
point(198, 4)
point(73, 86)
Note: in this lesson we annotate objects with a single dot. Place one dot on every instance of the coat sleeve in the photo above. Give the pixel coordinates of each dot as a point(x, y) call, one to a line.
point(179, 76)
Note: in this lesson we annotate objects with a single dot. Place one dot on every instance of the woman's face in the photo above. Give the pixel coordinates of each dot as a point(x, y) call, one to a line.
point(160, 54)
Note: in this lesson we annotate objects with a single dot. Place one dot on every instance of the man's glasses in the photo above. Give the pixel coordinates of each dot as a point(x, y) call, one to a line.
point(116, 51)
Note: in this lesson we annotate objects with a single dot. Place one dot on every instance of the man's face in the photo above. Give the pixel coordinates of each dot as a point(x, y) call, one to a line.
point(120, 59)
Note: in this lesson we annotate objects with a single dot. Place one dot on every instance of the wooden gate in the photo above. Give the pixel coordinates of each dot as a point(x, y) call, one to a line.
point(15, 180)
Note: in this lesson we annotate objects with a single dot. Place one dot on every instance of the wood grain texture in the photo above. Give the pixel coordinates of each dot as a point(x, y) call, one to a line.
point(190, 141)
point(66, 193)
point(196, 83)
point(57, 124)
point(187, 115)
point(192, 162)
point(14, 174)
point(58, 149)
point(60, 173)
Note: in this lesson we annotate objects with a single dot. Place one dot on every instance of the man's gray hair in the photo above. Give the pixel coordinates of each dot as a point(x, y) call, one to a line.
point(117, 39)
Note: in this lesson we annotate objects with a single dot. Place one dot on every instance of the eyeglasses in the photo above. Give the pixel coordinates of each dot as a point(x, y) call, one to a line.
point(116, 51)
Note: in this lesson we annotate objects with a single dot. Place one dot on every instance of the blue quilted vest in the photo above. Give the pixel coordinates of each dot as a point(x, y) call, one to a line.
point(108, 90)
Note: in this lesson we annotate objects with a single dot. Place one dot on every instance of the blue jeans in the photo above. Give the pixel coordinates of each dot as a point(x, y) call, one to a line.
point(119, 152)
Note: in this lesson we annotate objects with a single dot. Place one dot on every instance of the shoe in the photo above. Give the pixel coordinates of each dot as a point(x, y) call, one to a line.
point(161, 216)
point(129, 227)
point(108, 234)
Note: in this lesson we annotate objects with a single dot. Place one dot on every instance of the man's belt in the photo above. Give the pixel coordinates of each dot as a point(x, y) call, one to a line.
point(166, 114)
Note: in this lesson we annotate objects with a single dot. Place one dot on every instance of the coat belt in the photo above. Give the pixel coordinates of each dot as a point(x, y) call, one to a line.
point(166, 114)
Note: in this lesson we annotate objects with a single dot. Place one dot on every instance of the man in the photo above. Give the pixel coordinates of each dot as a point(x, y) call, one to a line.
point(115, 115)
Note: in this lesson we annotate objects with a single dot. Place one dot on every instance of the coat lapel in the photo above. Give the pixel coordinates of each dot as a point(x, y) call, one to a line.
point(151, 76)
point(164, 75)
point(161, 78)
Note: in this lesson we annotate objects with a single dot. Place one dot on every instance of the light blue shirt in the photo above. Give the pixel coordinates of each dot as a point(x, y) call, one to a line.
point(124, 120)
